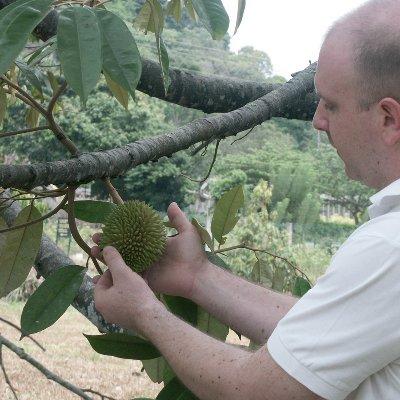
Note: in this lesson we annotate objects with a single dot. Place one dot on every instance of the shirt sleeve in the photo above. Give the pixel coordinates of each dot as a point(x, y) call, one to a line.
point(347, 327)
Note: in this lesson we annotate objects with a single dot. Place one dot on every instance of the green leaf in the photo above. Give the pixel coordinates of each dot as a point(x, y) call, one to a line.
point(31, 74)
point(92, 210)
point(121, 57)
point(210, 325)
point(175, 390)
point(122, 345)
point(19, 251)
point(2, 235)
point(118, 92)
point(183, 308)
point(262, 274)
point(3, 105)
point(174, 8)
point(51, 299)
point(278, 282)
point(213, 16)
point(163, 59)
point(204, 235)
point(217, 260)
point(53, 81)
point(241, 8)
point(225, 218)
point(17, 21)
point(79, 49)
point(301, 286)
point(32, 117)
point(156, 369)
point(151, 17)
point(190, 10)
point(38, 56)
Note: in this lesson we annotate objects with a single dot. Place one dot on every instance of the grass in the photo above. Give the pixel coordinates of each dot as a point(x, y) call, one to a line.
point(69, 355)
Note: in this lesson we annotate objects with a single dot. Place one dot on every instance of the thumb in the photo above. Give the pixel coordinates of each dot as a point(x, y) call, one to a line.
point(177, 218)
point(116, 265)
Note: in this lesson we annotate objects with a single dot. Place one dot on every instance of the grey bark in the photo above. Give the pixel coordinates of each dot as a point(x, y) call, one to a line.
point(209, 94)
point(49, 258)
point(111, 163)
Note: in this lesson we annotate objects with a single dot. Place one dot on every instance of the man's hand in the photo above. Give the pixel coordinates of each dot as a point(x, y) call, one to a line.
point(182, 261)
point(122, 296)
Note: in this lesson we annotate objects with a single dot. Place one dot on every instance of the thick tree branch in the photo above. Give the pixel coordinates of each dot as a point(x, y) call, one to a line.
point(111, 163)
point(206, 93)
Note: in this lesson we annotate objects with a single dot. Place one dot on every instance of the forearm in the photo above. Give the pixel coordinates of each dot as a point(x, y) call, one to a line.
point(206, 366)
point(246, 307)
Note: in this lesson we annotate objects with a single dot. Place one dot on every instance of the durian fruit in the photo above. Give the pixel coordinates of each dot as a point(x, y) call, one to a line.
point(137, 232)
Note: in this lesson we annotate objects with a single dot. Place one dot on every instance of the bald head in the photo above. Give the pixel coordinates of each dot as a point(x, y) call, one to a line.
point(372, 35)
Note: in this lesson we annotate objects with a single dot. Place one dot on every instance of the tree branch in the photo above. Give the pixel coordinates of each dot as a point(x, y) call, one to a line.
point(112, 163)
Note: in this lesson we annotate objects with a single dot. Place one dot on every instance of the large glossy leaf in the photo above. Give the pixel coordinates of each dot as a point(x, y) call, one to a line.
point(118, 91)
point(151, 17)
point(263, 274)
point(51, 299)
point(241, 8)
point(122, 345)
point(17, 21)
point(301, 286)
point(183, 308)
point(210, 325)
point(217, 260)
point(92, 210)
point(225, 213)
point(213, 16)
point(79, 49)
point(163, 59)
point(156, 369)
point(203, 233)
point(121, 57)
point(19, 251)
point(174, 8)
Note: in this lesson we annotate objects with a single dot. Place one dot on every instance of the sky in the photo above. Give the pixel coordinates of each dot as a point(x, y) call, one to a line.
point(289, 31)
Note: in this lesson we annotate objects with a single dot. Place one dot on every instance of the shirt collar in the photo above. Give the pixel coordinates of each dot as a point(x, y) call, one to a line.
point(385, 200)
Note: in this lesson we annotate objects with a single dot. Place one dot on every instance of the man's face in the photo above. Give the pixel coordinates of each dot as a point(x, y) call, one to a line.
point(350, 130)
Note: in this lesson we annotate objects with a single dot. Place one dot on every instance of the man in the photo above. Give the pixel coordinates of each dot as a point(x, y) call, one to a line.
point(342, 339)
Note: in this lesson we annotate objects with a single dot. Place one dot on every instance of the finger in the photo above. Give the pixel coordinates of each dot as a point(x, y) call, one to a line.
point(96, 237)
point(95, 279)
point(119, 270)
point(105, 281)
point(95, 251)
point(177, 218)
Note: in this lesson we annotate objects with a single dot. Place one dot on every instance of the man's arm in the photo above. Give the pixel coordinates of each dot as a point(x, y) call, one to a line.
point(246, 307)
point(214, 370)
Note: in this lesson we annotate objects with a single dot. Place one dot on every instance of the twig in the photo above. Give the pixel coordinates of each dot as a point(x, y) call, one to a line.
point(247, 134)
point(211, 166)
point(13, 133)
point(102, 396)
point(243, 246)
point(43, 217)
point(74, 229)
point(47, 373)
point(19, 329)
point(201, 146)
point(5, 373)
point(116, 198)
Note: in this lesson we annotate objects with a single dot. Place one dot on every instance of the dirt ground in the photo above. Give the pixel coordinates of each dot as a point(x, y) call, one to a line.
point(69, 355)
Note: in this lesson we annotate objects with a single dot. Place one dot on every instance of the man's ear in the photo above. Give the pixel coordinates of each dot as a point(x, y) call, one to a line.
point(389, 110)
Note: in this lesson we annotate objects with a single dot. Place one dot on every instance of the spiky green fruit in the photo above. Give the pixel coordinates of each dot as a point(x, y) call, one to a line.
point(137, 232)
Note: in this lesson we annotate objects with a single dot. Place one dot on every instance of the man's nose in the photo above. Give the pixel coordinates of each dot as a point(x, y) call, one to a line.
point(320, 123)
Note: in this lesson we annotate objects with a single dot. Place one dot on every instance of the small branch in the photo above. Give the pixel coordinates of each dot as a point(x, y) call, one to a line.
point(43, 217)
point(243, 246)
point(13, 133)
point(116, 198)
point(102, 396)
point(74, 229)
point(241, 138)
point(211, 166)
point(47, 373)
point(37, 105)
point(19, 329)
point(3, 368)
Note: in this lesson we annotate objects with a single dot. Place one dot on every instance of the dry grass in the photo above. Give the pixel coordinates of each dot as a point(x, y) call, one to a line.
point(69, 355)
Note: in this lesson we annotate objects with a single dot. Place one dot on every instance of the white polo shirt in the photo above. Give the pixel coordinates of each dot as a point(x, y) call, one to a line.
point(342, 339)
